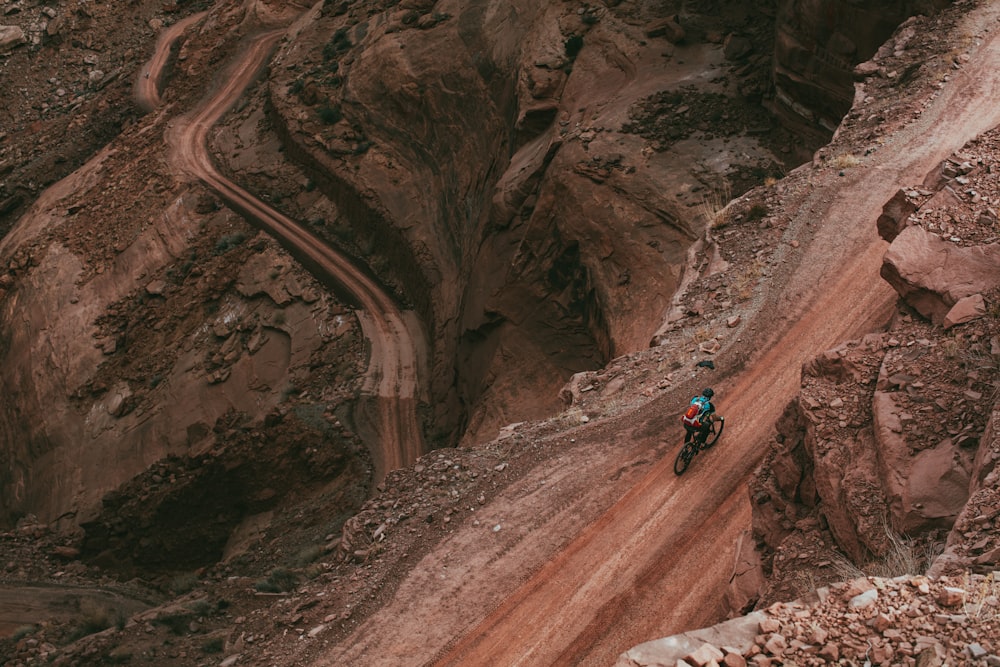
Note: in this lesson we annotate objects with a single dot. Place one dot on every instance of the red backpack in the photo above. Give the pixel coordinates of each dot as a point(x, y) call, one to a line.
point(697, 409)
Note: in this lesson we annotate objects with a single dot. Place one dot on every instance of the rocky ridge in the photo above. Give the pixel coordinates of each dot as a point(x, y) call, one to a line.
point(196, 627)
point(886, 463)
point(907, 620)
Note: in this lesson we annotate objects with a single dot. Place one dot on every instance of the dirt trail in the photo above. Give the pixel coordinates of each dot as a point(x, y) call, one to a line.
point(392, 372)
point(633, 568)
point(147, 85)
point(651, 565)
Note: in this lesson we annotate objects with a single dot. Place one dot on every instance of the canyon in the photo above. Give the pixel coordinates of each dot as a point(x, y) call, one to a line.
point(386, 366)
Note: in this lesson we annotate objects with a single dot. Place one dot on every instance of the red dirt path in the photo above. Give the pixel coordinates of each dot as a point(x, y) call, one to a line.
point(652, 564)
point(391, 377)
point(616, 565)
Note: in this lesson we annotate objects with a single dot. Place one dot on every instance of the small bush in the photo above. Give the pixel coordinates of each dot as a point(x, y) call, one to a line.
point(339, 43)
point(118, 656)
point(183, 583)
point(845, 161)
point(901, 557)
point(330, 114)
point(307, 555)
point(983, 599)
point(228, 242)
point(757, 212)
point(23, 632)
point(573, 46)
point(178, 624)
point(714, 207)
point(95, 618)
point(213, 645)
point(280, 580)
point(201, 607)
point(743, 284)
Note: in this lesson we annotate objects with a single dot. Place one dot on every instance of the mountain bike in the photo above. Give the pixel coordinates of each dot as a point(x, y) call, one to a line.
point(699, 443)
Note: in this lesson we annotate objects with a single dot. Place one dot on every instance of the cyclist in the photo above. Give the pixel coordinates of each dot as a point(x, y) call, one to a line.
point(697, 420)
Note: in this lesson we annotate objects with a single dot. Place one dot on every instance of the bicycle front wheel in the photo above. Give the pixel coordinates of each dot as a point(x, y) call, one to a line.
point(713, 433)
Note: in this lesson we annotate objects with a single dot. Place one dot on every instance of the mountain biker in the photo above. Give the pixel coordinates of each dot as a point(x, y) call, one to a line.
point(699, 422)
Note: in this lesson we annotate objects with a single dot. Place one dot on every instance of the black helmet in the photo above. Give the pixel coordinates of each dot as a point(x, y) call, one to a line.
point(707, 392)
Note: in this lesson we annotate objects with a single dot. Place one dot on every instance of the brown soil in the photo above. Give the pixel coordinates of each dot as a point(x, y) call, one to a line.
point(570, 540)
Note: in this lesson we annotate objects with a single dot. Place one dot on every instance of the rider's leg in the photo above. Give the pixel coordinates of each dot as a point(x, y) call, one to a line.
point(703, 435)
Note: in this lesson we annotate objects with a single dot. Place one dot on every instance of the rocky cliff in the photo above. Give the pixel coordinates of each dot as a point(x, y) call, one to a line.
point(135, 334)
point(500, 154)
point(534, 183)
point(528, 178)
point(892, 440)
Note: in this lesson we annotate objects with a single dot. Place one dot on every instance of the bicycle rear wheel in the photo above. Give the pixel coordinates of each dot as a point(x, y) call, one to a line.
point(683, 458)
point(713, 433)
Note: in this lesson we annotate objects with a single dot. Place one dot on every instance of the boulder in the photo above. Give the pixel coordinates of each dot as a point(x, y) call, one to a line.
point(894, 215)
point(11, 36)
point(747, 578)
point(932, 274)
point(736, 47)
point(965, 310)
point(667, 28)
point(925, 488)
point(737, 633)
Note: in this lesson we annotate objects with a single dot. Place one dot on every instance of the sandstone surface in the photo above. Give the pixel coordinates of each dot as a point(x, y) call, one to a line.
point(428, 140)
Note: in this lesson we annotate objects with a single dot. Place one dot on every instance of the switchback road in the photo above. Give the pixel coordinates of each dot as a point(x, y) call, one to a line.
point(391, 379)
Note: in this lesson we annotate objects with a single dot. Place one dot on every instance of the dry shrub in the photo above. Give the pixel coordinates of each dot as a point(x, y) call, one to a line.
point(746, 280)
point(715, 208)
point(982, 601)
point(846, 161)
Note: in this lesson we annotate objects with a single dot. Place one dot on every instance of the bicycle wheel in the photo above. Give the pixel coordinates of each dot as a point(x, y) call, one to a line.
point(683, 458)
point(713, 433)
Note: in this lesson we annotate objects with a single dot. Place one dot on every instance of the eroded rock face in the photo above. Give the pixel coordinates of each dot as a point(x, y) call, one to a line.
point(826, 462)
point(933, 274)
point(926, 482)
point(480, 147)
point(896, 435)
point(107, 371)
point(974, 542)
point(817, 45)
point(871, 449)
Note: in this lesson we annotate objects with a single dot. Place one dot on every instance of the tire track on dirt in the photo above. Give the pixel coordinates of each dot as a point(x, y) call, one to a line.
point(147, 85)
point(583, 606)
point(391, 379)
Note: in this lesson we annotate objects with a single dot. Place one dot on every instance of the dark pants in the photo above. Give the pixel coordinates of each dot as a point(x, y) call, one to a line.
point(690, 431)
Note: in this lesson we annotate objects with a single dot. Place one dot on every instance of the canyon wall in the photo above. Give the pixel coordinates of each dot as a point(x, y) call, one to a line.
point(888, 455)
point(506, 166)
point(817, 45)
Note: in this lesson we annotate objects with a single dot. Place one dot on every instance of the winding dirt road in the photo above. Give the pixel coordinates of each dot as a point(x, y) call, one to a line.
point(147, 84)
point(391, 379)
point(658, 561)
point(629, 576)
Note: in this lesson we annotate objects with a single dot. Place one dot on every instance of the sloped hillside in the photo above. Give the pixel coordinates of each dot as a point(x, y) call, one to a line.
point(541, 189)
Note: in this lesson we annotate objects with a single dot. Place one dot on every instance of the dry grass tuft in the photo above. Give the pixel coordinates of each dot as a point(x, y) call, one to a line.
point(846, 161)
point(715, 208)
point(746, 280)
point(982, 601)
